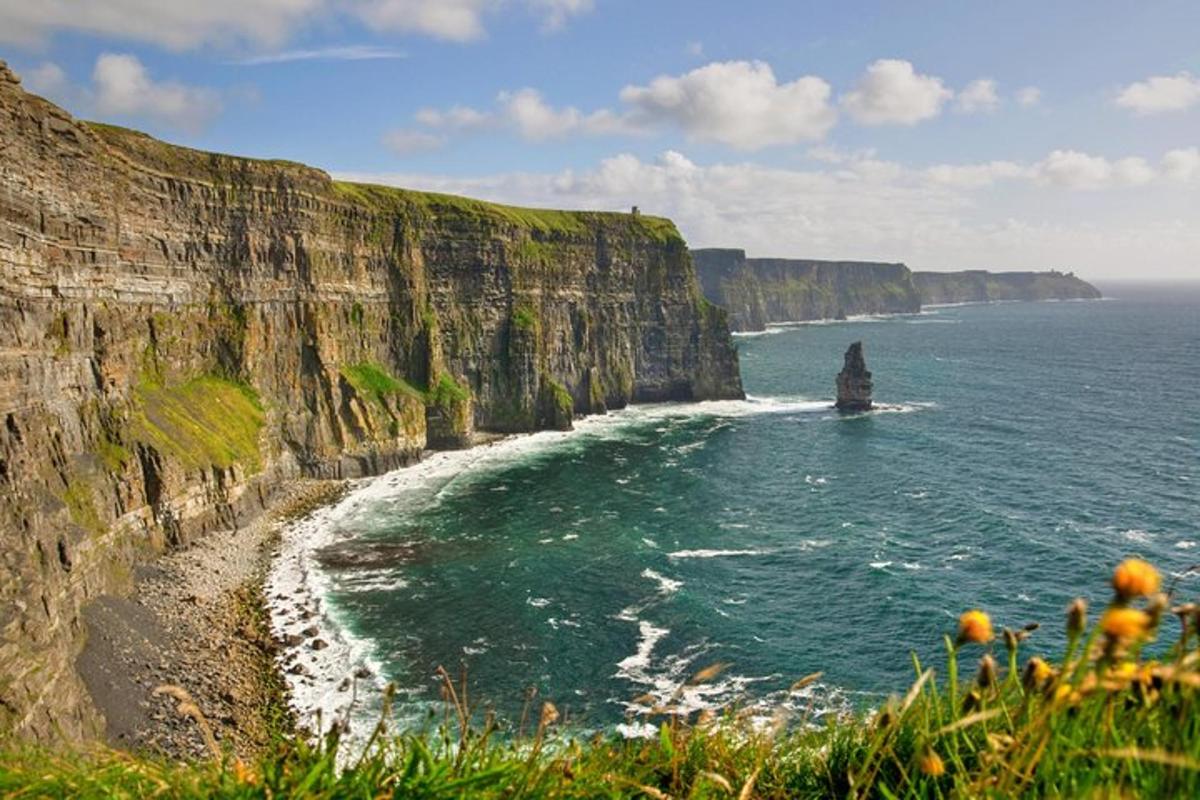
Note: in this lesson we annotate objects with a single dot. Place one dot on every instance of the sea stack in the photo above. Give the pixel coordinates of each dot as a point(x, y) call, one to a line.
point(854, 382)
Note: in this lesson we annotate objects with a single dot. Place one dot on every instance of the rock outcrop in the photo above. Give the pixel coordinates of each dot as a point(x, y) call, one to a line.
point(854, 382)
point(980, 286)
point(181, 331)
point(758, 291)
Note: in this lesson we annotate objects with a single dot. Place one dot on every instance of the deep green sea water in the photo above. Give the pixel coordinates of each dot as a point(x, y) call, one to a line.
point(1030, 447)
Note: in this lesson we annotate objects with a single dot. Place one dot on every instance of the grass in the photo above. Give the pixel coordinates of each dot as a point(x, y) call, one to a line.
point(375, 382)
point(1104, 720)
point(205, 421)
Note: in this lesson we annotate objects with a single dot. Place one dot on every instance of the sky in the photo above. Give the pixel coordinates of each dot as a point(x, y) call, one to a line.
point(947, 135)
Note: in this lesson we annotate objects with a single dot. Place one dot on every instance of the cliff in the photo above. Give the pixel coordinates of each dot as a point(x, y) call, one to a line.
point(979, 286)
point(758, 291)
point(181, 331)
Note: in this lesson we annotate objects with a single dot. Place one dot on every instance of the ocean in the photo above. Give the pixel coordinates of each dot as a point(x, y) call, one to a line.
point(1022, 450)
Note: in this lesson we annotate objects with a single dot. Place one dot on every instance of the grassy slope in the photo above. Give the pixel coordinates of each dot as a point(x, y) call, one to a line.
point(1103, 722)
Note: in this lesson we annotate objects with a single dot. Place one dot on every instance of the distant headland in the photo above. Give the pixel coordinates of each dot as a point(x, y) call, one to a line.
point(760, 291)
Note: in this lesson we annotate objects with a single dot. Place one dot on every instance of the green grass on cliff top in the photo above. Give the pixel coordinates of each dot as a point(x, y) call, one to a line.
point(543, 220)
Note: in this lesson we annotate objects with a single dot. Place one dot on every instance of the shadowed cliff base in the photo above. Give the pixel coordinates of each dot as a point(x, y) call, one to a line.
point(759, 291)
point(186, 331)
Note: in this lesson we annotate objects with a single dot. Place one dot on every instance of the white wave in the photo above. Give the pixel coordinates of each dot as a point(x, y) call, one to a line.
point(715, 553)
point(880, 564)
point(1186, 544)
point(666, 586)
point(537, 602)
point(634, 667)
point(1137, 535)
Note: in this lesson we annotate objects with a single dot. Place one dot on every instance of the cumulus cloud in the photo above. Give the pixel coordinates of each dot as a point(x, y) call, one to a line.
point(536, 120)
point(47, 78)
point(527, 113)
point(186, 24)
point(1029, 96)
point(1182, 165)
point(970, 176)
point(406, 142)
point(979, 97)
point(122, 86)
point(849, 210)
point(738, 103)
point(893, 92)
point(456, 118)
point(1160, 94)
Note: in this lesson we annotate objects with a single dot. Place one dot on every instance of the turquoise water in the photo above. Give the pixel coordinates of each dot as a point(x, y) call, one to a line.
point(1030, 447)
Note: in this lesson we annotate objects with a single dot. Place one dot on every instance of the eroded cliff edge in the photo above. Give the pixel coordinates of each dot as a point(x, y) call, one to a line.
point(180, 331)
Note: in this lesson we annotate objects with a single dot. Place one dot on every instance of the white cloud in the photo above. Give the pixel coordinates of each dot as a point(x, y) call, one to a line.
point(892, 92)
point(174, 24)
point(187, 24)
point(528, 114)
point(350, 52)
point(47, 78)
point(969, 176)
point(536, 120)
point(979, 97)
point(738, 103)
point(1161, 93)
point(124, 87)
point(455, 20)
point(405, 142)
point(863, 208)
point(456, 118)
point(1071, 169)
point(1133, 171)
point(1182, 165)
point(555, 13)
point(1029, 96)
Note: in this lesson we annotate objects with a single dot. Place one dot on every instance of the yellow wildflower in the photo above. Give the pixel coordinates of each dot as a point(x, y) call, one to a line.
point(1037, 673)
point(1124, 624)
point(931, 764)
point(1135, 578)
point(975, 626)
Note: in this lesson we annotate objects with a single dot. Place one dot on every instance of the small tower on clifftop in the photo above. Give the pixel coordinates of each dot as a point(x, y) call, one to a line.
point(854, 382)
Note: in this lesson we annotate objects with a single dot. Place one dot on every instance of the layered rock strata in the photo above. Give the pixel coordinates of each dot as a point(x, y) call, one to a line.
point(181, 331)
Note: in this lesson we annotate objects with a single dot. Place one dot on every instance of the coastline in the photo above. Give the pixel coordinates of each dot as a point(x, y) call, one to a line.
point(198, 619)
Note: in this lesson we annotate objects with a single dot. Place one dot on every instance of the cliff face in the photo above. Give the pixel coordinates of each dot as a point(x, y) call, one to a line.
point(979, 286)
point(181, 330)
point(757, 291)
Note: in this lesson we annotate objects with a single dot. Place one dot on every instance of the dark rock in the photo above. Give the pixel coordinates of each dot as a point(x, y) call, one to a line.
point(319, 644)
point(854, 382)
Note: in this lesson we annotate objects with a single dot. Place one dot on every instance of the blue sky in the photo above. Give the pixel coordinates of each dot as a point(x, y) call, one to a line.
point(956, 134)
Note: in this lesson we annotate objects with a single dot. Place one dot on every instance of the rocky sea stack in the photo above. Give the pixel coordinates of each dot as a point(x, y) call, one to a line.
point(854, 382)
